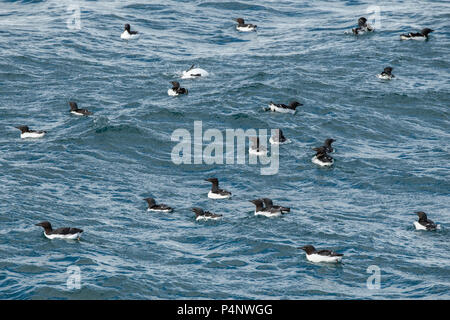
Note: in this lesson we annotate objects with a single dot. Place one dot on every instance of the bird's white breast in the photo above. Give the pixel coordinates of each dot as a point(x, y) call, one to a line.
point(32, 135)
point(213, 195)
point(314, 257)
point(268, 213)
point(193, 73)
point(321, 163)
point(172, 92)
point(246, 28)
point(63, 236)
point(274, 108)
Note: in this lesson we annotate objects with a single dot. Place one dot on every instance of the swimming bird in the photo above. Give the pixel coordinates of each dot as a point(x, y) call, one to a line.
point(60, 233)
point(363, 26)
point(176, 90)
point(27, 133)
point(79, 112)
point(152, 206)
point(327, 145)
point(255, 148)
point(242, 26)
point(386, 74)
point(322, 158)
point(422, 35)
point(193, 72)
point(279, 107)
point(278, 138)
point(215, 192)
point(260, 210)
point(127, 33)
point(424, 223)
point(269, 206)
point(205, 215)
point(322, 255)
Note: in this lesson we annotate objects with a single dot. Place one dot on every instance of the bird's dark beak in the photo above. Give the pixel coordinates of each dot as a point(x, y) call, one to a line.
point(38, 224)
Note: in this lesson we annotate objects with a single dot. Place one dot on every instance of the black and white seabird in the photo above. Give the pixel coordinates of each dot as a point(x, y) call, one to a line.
point(205, 215)
point(176, 90)
point(27, 133)
point(386, 74)
point(327, 145)
point(242, 26)
point(283, 108)
point(269, 206)
point(260, 210)
point(60, 233)
point(322, 255)
point(278, 138)
point(322, 158)
point(215, 192)
point(363, 26)
point(256, 148)
point(193, 72)
point(152, 206)
point(79, 112)
point(424, 223)
point(422, 35)
point(127, 33)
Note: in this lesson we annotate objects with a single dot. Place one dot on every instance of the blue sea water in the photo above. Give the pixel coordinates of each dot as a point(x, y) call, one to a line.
point(392, 151)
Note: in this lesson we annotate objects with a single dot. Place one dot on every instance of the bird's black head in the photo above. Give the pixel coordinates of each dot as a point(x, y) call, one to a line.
point(308, 249)
point(198, 211)
point(257, 202)
point(127, 27)
point(151, 202)
point(426, 31)
point(239, 20)
point(212, 180)
point(388, 70)
point(295, 104)
point(23, 128)
point(328, 142)
point(73, 105)
point(45, 224)
point(362, 22)
point(422, 215)
point(175, 84)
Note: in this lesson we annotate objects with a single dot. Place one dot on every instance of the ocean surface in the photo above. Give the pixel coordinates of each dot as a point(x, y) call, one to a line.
point(391, 159)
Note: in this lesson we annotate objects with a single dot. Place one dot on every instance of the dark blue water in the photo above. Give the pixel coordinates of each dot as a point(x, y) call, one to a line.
point(392, 151)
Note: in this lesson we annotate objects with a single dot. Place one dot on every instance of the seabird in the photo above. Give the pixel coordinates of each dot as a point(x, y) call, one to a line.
point(363, 26)
point(205, 215)
point(322, 255)
point(193, 72)
point(27, 133)
point(260, 210)
point(327, 145)
point(127, 33)
point(242, 26)
point(60, 233)
point(322, 158)
point(176, 90)
point(279, 107)
point(269, 206)
point(79, 112)
point(386, 74)
point(215, 192)
point(424, 223)
point(422, 35)
point(255, 148)
point(278, 138)
point(152, 206)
